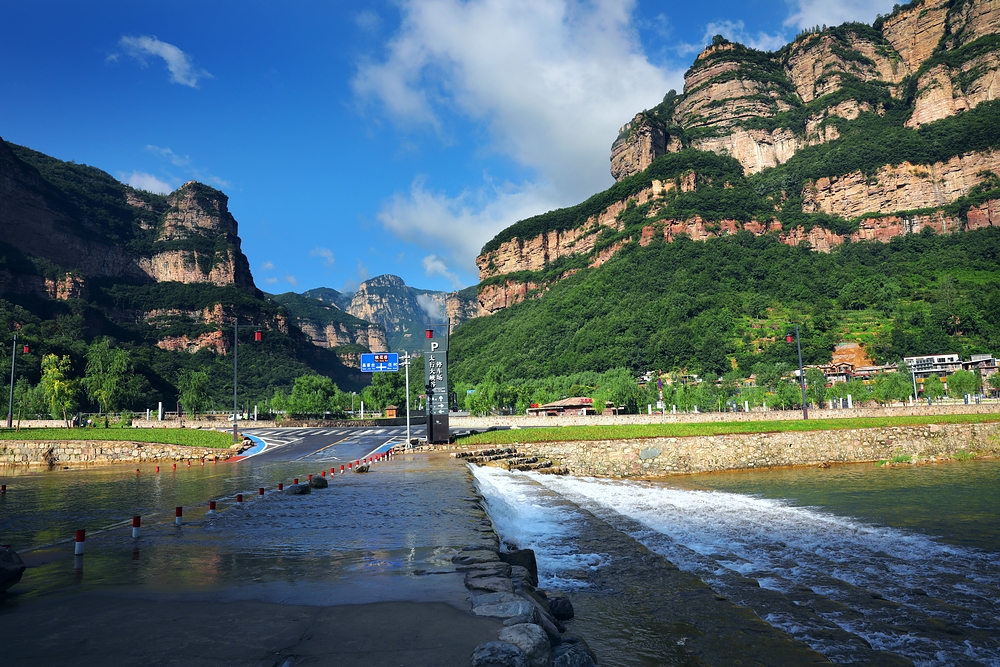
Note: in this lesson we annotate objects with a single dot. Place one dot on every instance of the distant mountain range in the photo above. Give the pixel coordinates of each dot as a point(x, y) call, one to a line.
point(383, 314)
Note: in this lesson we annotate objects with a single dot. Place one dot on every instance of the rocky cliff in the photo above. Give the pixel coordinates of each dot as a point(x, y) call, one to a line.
point(852, 133)
point(326, 325)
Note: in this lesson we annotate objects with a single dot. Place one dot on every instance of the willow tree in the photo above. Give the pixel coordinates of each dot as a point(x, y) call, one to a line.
point(60, 391)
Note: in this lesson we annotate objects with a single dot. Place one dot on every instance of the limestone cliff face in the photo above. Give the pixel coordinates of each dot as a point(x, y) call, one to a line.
point(189, 237)
point(337, 334)
point(749, 104)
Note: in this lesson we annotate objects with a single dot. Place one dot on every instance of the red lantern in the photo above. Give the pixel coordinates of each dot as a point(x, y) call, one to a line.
point(429, 333)
point(27, 349)
point(257, 336)
point(788, 338)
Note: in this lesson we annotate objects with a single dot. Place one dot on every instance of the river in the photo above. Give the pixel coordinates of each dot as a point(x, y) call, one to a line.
point(864, 564)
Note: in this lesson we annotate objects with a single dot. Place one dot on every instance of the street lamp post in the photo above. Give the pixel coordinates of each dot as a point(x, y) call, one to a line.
point(236, 356)
point(802, 376)
point(10, 405)
point(406, 364)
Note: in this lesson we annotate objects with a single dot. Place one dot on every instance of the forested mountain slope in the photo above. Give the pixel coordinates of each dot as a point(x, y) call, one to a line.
point(863, 161)
point(83, 257)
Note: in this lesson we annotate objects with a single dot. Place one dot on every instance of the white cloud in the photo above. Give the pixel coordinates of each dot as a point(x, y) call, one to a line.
point(292, 280)
point(182, 70)
point(140, 180)
point(459, 226)
point(267, 266)
point(553, 80)
point(368, 20)
point(435, 266)
point(270, 281)
point(167, 154)
point(325, 253)
point(433, 307)
point(735, 31)
point(809, 13)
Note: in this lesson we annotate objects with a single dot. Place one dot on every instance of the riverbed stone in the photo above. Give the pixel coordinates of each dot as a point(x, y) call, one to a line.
point(473, 557)
point(318, 482)
point(489, 583)
point(531, 639)
point(499, 654)
point(495, 569)
point(297, 490)
point(571, 655)
point(543, 619)
point(501, 605)
point(11, 568)
point(525, 558)
point(560, 607)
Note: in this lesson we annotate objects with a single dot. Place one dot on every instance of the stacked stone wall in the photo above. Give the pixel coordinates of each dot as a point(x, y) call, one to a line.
point(659, 457)
point(992, 407)
point(54, 453)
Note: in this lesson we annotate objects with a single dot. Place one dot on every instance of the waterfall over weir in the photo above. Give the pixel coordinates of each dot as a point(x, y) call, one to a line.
point(855, 591)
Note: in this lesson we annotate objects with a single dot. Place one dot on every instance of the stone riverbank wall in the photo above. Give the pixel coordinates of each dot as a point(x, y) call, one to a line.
point(86, 452)
point(992, 407)
point(658, 457)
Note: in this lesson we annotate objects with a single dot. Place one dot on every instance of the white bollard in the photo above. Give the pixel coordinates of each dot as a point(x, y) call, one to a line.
point(850, 401)
point(135, 527)
point(81, 536)
point(178, 514)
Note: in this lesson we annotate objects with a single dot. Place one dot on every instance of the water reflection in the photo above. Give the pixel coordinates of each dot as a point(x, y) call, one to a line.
point(365, 535)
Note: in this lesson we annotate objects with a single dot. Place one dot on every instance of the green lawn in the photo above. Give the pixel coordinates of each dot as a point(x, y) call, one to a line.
point(163, 436)
point(633, 431)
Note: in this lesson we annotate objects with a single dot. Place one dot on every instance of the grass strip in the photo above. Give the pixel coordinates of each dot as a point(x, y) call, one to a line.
point(162, 436)
point(639, 431)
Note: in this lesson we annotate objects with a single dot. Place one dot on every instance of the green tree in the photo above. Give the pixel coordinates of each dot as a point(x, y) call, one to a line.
point(933, 387)
point(961, 383)
point(787, 395)
point(815, 386)
point(890, 387)
point(194, 389)
point(60, 390)
point(313, 395)
point(109, 379)
point(387, 389)
point(622, 389)
point(994, 382)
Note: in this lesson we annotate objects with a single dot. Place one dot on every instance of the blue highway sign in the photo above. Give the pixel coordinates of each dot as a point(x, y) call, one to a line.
point(380, 362)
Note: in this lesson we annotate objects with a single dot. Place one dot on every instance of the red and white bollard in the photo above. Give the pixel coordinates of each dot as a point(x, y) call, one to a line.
point(3, 489)
point(178, 514)
point(281, 486)
point(157, 469)
point(323, 473)
point(175, 466)
point(310, 477)
point(211, 507)
point(239, 498)
point(136, 471)
point(333, 471)
point(341, 470)
point(203, 461)
point(295, 481)
point(260, 491)
point(357, 463)
point(135, 527)
point(189, 464)
point(81, 537)
point(349, 467)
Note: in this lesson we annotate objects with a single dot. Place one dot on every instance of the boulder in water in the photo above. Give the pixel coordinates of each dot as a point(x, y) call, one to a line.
point(531, 639)
point(362, 468)
point(560, 607)
point(11, 568)
point(499, 654)
point(297, 490)
point(525, 558)
point(318, 482)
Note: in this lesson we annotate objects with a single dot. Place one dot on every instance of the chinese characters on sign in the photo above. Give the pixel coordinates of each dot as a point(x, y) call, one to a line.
point(380, 362)
point(436, 374)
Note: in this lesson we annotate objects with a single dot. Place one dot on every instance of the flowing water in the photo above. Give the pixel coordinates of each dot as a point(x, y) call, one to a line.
point(863, 564)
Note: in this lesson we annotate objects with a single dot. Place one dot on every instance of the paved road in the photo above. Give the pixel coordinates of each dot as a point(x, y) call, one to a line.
point(330, 445)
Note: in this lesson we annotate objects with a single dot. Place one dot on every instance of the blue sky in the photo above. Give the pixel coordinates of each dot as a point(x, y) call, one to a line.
point(355, 139)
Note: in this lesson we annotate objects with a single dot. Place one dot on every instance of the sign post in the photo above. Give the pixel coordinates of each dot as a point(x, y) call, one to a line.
point(436, 377)
point(406, 364)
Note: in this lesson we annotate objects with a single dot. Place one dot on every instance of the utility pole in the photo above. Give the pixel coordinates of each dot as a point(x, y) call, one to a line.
point(236, 352)
point(802, 375)
point(406, 364)
point(10, 405)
